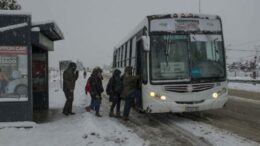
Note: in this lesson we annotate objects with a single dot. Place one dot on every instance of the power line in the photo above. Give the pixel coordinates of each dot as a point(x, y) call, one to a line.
point(242, 50)
point(245, 43)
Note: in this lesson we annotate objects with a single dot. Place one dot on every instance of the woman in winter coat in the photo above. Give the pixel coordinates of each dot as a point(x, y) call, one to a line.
point(95, 81)
point(114, 89)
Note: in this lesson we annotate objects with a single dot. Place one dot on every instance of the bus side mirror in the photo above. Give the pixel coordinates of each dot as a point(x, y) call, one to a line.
point(146, 43)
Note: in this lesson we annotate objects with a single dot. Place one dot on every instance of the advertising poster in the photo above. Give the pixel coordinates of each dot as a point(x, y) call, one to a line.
point(13, 72)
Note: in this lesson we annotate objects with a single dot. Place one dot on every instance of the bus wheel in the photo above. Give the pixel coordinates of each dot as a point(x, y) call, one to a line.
point(21, 90)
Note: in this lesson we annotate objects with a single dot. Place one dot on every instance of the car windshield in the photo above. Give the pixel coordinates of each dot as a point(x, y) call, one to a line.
point(207, 56)
point(169, 57)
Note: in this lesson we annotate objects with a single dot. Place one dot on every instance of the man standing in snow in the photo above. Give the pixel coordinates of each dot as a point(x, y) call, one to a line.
point(130, 91)
point(114, 89)
point(70, 76)
point(84, 74)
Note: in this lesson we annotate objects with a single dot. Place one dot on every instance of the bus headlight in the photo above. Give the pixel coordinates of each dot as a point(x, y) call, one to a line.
point(152, 94)
point(219, 93)
point(215, 95)
point(163, 97)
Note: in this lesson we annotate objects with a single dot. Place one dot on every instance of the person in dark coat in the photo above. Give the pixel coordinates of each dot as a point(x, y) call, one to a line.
point(130, 91)
point(95, 81)
point(114, 89)
point(70, 76)
point(3, 82)
point(84, 74)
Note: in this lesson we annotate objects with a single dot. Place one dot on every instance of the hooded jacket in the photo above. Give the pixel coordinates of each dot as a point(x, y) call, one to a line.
point(70, 77)
point(115, 86)
point(96, 83)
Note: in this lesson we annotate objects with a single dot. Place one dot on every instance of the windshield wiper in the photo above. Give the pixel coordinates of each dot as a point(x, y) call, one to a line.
point(215, 45)
point(167, 48)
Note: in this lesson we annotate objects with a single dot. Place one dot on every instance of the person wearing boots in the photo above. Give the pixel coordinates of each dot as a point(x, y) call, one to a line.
point(114, 88)
point(70, 76)
point(130, 91)
point(96, 89)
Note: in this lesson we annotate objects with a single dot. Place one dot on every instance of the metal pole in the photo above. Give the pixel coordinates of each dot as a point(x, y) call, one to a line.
point(199, 7)
point(60, 75)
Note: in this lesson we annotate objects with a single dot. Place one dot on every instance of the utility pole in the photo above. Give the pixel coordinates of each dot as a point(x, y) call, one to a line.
point(255, 61)
point(199, 7)
point(257, 49)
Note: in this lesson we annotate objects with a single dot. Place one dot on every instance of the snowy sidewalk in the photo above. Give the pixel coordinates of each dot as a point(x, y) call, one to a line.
point(77, 130)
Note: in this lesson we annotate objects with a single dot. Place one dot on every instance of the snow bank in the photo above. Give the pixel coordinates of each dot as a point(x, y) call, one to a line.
point(27, 124)
point(244, 86)
point(11, 27)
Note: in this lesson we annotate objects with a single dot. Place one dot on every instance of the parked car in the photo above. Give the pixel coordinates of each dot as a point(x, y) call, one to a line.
point(17, 86)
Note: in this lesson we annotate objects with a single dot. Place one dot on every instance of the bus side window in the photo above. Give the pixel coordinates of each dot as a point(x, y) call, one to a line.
point(130, 52)
point(125, 55)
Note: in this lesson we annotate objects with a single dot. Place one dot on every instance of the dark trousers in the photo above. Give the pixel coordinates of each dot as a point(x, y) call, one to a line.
point(116, 101)
point(130, 100)
point(69, 100)
point(96, 104)
point(92, 106)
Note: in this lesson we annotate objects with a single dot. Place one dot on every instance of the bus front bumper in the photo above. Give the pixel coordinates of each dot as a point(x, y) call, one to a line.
point(171, 106)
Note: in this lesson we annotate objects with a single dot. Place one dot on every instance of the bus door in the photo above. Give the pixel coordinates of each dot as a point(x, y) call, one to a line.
point(138, 58)
point(139, 72)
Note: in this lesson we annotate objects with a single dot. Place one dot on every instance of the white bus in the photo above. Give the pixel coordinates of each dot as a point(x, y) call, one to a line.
point(181, 61)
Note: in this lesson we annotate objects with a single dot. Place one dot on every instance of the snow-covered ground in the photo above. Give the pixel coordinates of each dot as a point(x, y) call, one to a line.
point(244, 86)
point(214, 135)
point(86, 129)
point(77, 130)
point(241, 75)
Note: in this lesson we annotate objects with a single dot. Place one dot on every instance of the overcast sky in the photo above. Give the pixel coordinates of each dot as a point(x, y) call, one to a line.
point(93, 27)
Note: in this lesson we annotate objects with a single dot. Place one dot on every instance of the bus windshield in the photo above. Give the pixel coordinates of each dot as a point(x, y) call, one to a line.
point(180, 58)
point(169, 57)
point(207, 56)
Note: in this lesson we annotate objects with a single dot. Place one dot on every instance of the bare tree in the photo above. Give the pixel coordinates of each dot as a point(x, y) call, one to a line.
point(9, 5)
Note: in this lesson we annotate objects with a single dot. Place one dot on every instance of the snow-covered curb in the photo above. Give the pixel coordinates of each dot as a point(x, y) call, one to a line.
point(25, 124)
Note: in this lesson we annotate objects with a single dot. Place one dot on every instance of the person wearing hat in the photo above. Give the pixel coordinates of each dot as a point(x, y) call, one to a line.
point(114, 89)
point(96, 90)
point(70, 76)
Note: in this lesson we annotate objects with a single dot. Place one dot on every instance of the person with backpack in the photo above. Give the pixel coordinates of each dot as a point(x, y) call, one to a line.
point(95, 89)
point(70, 76)
point(87, 90)
point(113, 89)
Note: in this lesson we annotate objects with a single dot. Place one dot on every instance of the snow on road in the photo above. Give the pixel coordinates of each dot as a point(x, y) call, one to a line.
point(214, 135)
point(77, 130)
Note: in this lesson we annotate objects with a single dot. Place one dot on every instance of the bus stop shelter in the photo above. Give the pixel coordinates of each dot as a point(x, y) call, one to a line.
point(24, 48)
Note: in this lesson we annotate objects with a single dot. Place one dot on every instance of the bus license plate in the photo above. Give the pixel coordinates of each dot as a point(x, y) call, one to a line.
point(191, 109)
